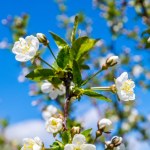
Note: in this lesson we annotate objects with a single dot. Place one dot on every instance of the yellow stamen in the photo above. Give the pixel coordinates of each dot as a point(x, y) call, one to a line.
point(127, 87)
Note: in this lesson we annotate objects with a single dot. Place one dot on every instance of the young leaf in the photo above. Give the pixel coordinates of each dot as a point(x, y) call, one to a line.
point(77, 78)
point(66, 137)
point(96, 95)
point(59, 41)
point(40, 74)
point(85, 47)
point(81, 46)
point(87, 132)
point(73, 34)
point(63, 57)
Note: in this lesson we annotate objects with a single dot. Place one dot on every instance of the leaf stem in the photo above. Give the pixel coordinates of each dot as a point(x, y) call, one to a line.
point(102, 88)
point(46, 62)
point(92, 77)
point(51, 51)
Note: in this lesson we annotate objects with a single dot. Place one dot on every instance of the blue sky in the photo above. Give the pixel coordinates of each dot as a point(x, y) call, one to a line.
point(15, 104)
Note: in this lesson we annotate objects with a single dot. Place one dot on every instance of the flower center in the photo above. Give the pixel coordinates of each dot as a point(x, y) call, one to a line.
point(30, 146)
point(77, 148)
point(54, 123)
point(24, 46)
point(127, 87)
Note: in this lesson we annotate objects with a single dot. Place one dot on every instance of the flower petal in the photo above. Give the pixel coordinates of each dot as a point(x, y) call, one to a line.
point(69, 147)
point(22, 58)
point(88, 147)
point(79, 139)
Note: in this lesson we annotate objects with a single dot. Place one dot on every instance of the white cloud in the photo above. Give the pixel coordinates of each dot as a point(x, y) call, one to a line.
point(29, 128)
point(89, 119)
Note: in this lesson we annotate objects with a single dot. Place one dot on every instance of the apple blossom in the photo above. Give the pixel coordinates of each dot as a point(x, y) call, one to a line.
point(79, 143)
point(25, 49)
point(49, 111)
point(105, 125)
point(53, 125)
point(124, 87)
point(33, 144)
point(53, 91)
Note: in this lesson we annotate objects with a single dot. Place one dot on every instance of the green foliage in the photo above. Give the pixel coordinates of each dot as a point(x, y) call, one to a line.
point(76, 21)
point(63, 57)
point(87, 132)
point(94, 94)
point(81, 46)
point(57, 145)
point(40, 74)
point(66, 137)
point(59, 41)
point(77, 78)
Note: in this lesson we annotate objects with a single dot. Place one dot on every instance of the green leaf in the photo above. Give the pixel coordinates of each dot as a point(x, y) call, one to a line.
point(59, 41)
point(40, 74)
point(57, 145)
point(73, 34)
point(77, 78)
point(66, 137)
point(63, 57)
point(94, 94)
point(81, 46)
point(87, 132)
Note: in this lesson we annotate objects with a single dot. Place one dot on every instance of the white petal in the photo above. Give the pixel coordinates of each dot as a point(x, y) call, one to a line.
point(45, 88)
point(69, 147)
point(122, 78)
point(16, 48)
point(32, 52)
point(33, 41)
point(53, 94)
point(22, 58)
point(79, 139)
point(88, 147)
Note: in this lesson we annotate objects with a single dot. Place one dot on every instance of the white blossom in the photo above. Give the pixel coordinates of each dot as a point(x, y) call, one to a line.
point(137, 70)
point(49, 112)
point(25, 49)
point(105, 125)
point(53, 125)
point(79, 143)
point(33, 144)
point(53, 91)
point(124, 87)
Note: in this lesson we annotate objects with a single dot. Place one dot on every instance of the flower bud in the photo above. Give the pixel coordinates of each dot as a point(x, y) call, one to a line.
point(105, 125)
point(98, 133)
point(75, 130)
point(42, 38)
point(112, 60)
point(116, 141)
